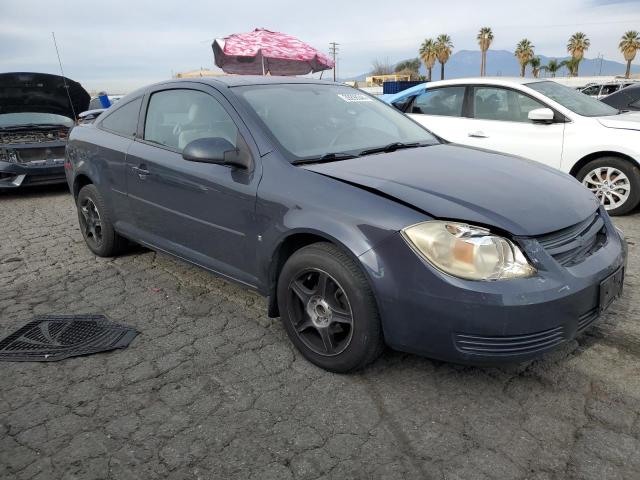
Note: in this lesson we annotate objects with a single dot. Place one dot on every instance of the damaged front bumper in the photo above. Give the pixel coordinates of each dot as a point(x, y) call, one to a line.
point(32, 164)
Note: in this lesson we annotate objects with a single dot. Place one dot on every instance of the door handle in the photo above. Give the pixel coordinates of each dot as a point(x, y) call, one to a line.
point(478, 134)
point(141, 171)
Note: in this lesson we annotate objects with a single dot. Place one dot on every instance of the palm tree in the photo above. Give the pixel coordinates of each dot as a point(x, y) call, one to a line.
point(409, 67)
point(428, 55)
point(577, 45)
point(629, 44)
point(485, 38)
point(524, 53)
point(552, 67)
point(572, 66)
point(535, 66)
point(443, 51)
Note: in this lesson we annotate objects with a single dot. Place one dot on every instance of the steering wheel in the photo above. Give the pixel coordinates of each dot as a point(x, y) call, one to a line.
point(368, 131)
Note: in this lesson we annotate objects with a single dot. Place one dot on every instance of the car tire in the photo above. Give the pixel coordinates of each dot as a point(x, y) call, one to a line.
point(95, 224)
point(587, 175)
point(315, 313)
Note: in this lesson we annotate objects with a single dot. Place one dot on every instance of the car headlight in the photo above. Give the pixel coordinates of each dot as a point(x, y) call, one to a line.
point(467, 252)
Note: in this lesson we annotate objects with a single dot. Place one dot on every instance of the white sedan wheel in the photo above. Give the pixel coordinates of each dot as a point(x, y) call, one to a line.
point(609, 185)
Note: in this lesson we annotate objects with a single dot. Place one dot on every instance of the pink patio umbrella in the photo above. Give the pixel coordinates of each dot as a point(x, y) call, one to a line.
point(263, 51)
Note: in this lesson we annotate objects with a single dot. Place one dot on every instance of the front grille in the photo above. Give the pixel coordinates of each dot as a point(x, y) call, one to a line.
point(509, 345)
point(573, 245)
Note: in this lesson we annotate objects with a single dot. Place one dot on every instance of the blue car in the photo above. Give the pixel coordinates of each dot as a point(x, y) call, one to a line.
point(360, 227)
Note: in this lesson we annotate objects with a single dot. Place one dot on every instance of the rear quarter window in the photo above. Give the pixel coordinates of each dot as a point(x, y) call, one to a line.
point(123, 120)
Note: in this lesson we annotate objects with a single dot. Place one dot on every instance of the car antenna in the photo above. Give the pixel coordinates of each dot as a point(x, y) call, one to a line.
point(64, 79)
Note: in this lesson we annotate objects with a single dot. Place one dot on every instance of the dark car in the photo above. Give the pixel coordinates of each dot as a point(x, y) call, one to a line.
point(360, 226)
point(90, 116)
point(626, 99)
point(37, 110)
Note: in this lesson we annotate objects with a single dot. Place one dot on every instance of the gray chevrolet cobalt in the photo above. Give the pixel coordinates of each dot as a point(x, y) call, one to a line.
point(360, 227)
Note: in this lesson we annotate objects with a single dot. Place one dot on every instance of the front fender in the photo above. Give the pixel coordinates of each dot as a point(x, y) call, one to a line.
point(295, 201)
point(610, 142)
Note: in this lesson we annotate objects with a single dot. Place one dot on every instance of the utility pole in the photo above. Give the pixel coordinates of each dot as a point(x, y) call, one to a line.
point(333, 50)
point(601, 57)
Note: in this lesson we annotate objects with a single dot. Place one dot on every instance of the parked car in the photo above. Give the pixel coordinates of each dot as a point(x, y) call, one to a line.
point(90, 116)
point(627, 99)
point(540, 120)
point(601, 90)
point(359, 226)
point(36, 113)
point(96, 104)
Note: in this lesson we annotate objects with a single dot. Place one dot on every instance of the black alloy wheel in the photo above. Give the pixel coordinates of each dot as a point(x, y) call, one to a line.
point(96, 225)
point(91, 223)
point(320, 312)
point(328, 308)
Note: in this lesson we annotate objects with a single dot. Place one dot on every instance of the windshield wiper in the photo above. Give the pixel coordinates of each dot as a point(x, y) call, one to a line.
point(392, 147)
point(327, 157)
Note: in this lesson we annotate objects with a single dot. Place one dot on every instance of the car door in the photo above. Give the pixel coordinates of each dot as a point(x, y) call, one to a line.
point(440, 110)
point(202, 212)
point(117, 131)
point(499, 121)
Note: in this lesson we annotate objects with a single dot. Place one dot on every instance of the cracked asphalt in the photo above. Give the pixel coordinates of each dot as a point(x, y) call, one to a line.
point(212, 388)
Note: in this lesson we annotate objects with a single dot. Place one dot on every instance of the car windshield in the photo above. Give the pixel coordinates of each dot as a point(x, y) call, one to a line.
point(314, 120)
point(575, 101)
point(29, 118)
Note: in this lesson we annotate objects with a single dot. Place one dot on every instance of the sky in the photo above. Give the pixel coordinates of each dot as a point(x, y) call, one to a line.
point(120, 45)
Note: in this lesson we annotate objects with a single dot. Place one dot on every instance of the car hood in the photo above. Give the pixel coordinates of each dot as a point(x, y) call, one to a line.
point(626, 121)
point(476, 186)
point(42, 93)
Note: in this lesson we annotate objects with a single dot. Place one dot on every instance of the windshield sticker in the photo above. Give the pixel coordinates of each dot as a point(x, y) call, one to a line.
point(354, 97)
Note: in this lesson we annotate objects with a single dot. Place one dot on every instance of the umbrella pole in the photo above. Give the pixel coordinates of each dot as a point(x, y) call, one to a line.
point(261, 56)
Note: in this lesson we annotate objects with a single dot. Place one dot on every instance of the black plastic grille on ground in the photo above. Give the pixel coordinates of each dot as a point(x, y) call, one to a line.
point(55, 337)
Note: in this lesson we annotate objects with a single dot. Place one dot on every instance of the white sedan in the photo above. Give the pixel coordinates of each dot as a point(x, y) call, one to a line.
point(540, 120)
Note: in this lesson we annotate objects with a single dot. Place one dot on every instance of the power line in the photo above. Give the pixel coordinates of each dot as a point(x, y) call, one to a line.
point(494, 27)
point(333, 50)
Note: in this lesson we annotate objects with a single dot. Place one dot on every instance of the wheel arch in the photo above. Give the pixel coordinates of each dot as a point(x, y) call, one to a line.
point(595, 155)
point(80, 181)
point(287, 246)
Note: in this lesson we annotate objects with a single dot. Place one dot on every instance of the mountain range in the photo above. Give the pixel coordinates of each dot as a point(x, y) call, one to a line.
point(466, 63)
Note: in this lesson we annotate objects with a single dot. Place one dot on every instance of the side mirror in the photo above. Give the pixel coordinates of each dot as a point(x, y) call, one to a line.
point(216, 150)
point(544, 115)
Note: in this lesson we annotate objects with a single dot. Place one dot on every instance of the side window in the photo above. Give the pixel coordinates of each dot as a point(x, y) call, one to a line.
point(609, 89)
point(623, 99)
point(403, 103)
point(494, 103)
point(592, 90)
point(178, 117)
point(124, 119)
point(445, 101)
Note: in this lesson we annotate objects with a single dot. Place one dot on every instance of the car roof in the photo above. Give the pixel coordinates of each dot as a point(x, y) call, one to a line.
point(503, 81)
point(490, 80)
point(244, 80)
